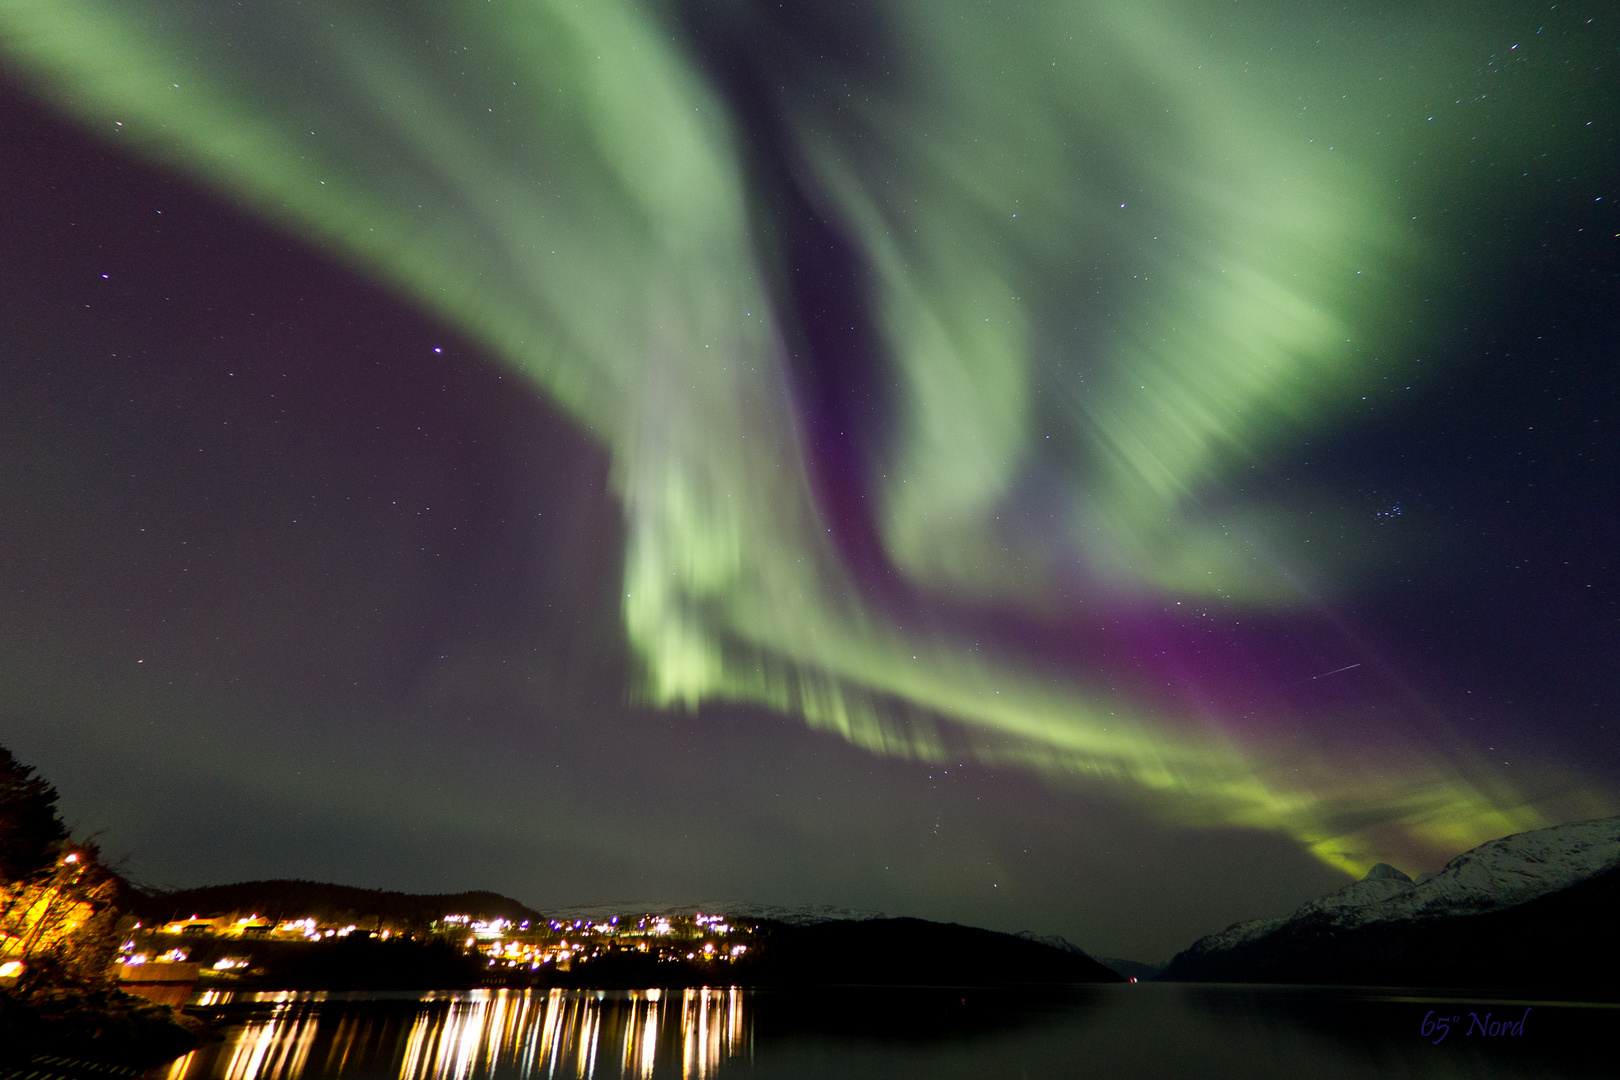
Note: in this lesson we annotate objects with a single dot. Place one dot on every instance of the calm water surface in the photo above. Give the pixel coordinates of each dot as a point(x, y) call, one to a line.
point(1143, 1030)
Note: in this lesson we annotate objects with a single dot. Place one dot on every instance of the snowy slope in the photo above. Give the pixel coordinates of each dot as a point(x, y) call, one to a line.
point(1511, 871)
point(1499, 874)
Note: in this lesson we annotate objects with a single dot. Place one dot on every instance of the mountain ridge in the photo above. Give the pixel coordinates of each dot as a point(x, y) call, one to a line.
point(1532, 908)
point(278, 898)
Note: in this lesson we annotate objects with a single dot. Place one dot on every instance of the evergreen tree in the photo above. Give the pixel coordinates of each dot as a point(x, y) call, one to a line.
point(30, 830)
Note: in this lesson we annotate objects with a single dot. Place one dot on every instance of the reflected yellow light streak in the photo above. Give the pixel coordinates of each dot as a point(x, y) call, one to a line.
point(482, 1033)
point(271, 1050)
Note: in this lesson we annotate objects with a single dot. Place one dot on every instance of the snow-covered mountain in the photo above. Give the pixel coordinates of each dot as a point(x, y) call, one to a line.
point(1386, 920)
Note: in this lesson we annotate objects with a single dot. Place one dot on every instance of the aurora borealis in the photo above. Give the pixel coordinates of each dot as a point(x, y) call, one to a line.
point(1012, 387)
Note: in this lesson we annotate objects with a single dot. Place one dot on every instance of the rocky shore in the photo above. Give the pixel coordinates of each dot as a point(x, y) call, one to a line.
point(99, 1024)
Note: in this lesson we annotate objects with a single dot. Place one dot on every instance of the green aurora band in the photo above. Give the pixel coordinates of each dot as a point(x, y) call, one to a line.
point(561, 181)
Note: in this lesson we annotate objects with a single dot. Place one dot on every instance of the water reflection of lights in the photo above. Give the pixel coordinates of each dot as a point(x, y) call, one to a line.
point(274, 1049)
point(483, 1034)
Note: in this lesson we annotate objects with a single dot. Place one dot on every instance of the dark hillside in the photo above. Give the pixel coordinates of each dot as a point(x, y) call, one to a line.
point(1565, 944)
point(913, 952)
point(283, 899)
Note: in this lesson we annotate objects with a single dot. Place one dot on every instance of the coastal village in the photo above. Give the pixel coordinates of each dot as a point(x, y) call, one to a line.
point(222, 949)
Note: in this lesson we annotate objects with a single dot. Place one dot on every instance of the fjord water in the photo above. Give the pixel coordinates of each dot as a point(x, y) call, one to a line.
point(1146, 1030)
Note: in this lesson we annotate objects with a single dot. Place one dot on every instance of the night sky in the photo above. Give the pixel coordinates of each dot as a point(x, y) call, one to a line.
point(1099, 469)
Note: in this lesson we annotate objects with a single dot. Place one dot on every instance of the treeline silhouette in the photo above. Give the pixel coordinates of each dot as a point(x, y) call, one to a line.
point(326, 903)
